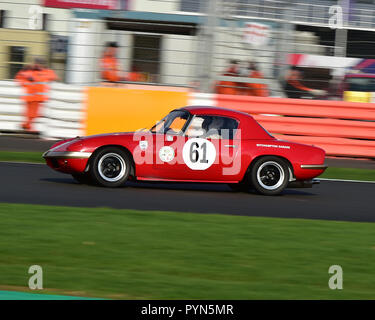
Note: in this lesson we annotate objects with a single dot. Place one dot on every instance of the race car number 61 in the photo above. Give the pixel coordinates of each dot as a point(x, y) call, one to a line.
point(198, 153)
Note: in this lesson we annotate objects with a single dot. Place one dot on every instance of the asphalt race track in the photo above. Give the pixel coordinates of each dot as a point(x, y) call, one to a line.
point(331, 200)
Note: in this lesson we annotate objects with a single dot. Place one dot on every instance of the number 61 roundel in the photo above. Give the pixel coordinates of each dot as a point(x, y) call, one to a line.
point(199, 154)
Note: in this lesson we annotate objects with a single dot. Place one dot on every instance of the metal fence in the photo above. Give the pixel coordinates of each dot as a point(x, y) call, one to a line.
point(357, 14)
point(190, 45)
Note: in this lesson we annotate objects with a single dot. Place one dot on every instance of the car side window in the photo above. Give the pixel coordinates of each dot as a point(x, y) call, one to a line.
point(213, 127)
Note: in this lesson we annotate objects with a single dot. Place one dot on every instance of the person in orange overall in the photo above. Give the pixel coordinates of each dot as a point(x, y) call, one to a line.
point(48, 75)
point(295, 89)
point(34, 80)
point(109, 64)
point(26, 79)
point(229, 87)
point(256, 89)
point(22, 77)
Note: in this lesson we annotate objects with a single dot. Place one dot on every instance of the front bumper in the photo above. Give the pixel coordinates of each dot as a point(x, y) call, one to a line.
point(67, 161)
point(66, 155)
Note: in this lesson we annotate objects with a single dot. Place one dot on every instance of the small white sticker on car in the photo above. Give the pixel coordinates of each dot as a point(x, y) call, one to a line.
point(166, 154)
point(143, 144)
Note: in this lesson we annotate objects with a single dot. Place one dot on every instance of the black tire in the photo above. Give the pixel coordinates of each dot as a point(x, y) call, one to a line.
point(110, 167)
point(269, 175)
point(242, 186)
point(82, 178)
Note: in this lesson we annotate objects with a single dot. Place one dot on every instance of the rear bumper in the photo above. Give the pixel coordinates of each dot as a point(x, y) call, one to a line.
point(305, 172)
point(303, 183)
point(314, 166)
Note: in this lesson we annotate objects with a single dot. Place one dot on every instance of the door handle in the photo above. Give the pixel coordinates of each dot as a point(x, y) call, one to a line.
point(230, 146)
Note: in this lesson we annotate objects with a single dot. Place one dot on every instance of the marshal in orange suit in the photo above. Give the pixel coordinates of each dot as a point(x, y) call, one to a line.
point(35, 81)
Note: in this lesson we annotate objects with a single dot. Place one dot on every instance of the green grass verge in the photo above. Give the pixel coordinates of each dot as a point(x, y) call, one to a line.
point(128, 254)
point(332, 173)
point(16, 156)
point(349, 174)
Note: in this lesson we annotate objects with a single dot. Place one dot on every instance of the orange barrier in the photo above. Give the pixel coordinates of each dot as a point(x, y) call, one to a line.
point(129, 109)
point(341, 128)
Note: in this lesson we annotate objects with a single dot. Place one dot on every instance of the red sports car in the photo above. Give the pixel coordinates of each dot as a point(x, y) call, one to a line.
point(192, 144)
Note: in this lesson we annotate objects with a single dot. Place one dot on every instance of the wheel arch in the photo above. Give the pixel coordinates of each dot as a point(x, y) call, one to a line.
point(132, 169)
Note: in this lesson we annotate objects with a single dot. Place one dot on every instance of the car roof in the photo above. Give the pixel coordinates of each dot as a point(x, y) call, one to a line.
point(217, 111)
point(250, 129)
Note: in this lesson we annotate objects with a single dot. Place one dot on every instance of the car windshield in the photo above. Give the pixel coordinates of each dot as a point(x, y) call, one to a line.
point(173, 123)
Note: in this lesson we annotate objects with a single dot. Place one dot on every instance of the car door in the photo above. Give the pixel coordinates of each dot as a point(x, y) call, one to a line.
point(203, 148)
point(212, 149)
point(168, 144)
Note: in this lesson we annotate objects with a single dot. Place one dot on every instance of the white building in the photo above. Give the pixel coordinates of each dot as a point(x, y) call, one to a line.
point(165, 58)
point(156, 37)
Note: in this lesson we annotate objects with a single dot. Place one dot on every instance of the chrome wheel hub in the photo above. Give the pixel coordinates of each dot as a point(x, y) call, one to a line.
point(270, 175)
point(111, 167)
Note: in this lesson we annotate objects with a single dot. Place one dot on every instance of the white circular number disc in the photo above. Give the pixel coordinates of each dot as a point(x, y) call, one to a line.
point(166, 154)
point(199, 154)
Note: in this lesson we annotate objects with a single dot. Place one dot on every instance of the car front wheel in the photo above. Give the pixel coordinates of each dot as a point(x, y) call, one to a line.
point(270, 175)
point(110, 167)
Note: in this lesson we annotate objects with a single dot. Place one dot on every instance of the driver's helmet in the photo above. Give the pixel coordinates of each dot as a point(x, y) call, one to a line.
point(206, 124)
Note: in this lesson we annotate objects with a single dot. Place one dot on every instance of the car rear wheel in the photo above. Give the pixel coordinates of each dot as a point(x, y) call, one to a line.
point(270, 175)
point(110, 167)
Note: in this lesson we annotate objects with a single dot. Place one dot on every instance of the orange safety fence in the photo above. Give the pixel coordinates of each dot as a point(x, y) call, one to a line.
point(340, 128)
point(337, 146)
point(299, 107)
point(322, 126)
